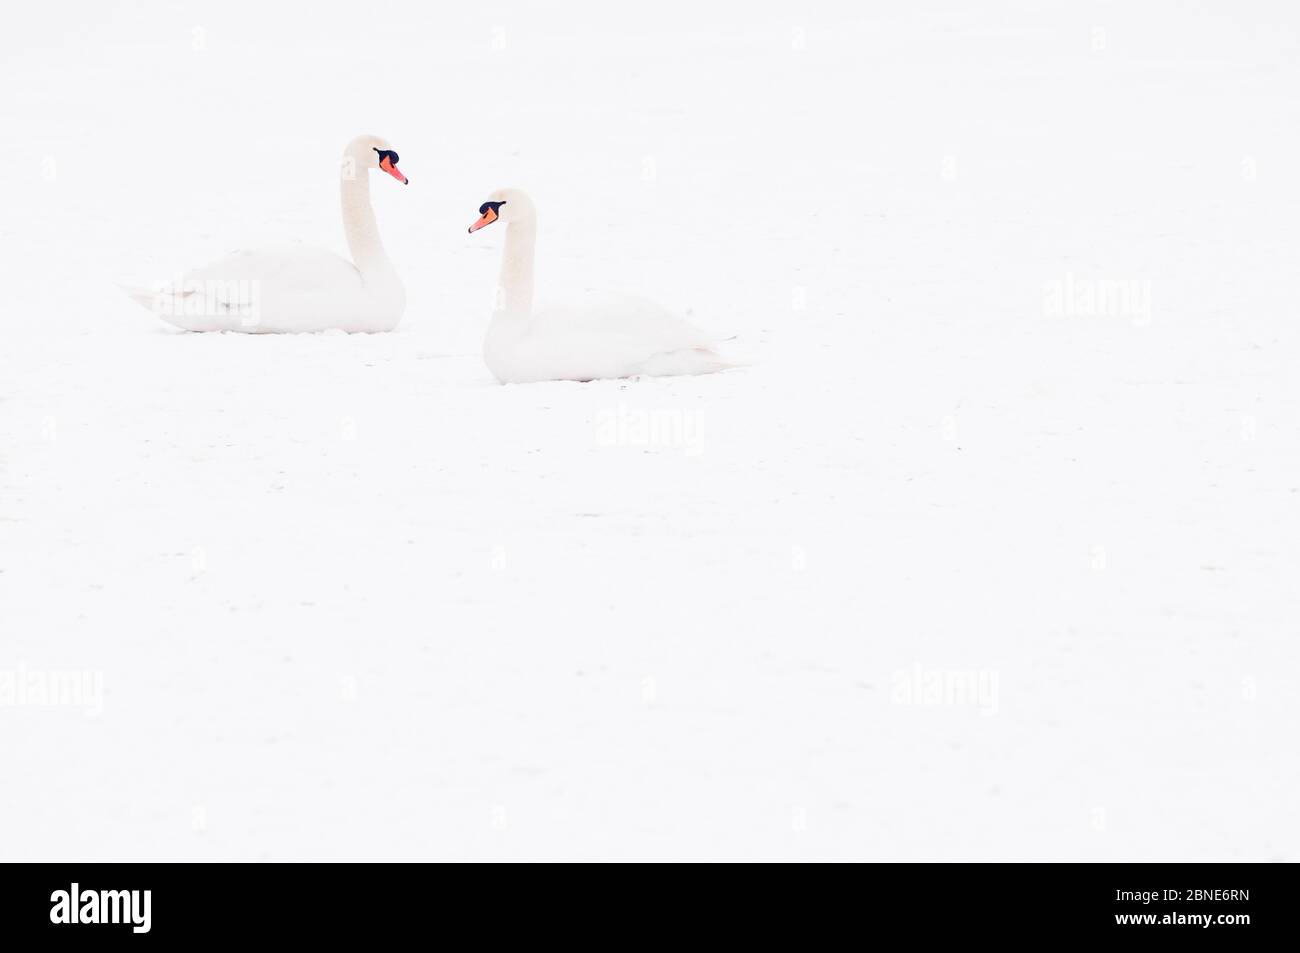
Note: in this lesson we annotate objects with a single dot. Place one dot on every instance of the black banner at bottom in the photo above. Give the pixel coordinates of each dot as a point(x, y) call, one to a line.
point(95, 905)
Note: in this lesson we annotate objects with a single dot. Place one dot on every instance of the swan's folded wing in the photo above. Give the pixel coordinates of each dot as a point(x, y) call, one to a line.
point(634, 328)
point(240, 277)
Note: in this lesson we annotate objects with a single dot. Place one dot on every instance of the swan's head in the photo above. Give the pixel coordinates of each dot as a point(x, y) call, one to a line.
point(375, 152)
point(505, 205)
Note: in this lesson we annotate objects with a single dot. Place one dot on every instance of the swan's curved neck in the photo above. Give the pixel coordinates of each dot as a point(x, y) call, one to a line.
point(359, 223)
point(515, 287)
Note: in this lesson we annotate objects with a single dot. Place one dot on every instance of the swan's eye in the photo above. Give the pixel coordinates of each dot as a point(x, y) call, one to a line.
point(388, 154)
point(494, 206)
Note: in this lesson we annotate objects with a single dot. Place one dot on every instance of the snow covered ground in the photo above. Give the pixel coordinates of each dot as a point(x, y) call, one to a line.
point(991, 554)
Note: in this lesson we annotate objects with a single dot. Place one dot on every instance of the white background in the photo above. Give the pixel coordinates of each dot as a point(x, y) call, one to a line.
point(350, 598)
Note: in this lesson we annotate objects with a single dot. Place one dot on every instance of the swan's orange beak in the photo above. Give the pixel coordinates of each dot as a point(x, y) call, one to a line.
point(387, 165)
point(488, 218)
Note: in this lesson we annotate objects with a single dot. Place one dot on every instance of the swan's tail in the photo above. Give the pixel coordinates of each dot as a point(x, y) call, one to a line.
point(167, 306)
point(690, 360)
point(144, 297)
point(717, 362)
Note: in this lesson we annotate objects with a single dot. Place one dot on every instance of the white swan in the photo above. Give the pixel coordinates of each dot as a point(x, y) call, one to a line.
point(600, 338)
point(298, 288)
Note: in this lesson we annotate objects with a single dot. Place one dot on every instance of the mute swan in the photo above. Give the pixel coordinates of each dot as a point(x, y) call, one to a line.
point(298, 288)
point(600, 338)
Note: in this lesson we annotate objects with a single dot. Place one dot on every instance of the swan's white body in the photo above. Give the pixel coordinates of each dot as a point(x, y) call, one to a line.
point(295, 288)
point(603, 336)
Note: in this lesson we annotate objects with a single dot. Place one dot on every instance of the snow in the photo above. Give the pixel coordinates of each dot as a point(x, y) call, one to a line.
point(963, 567)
